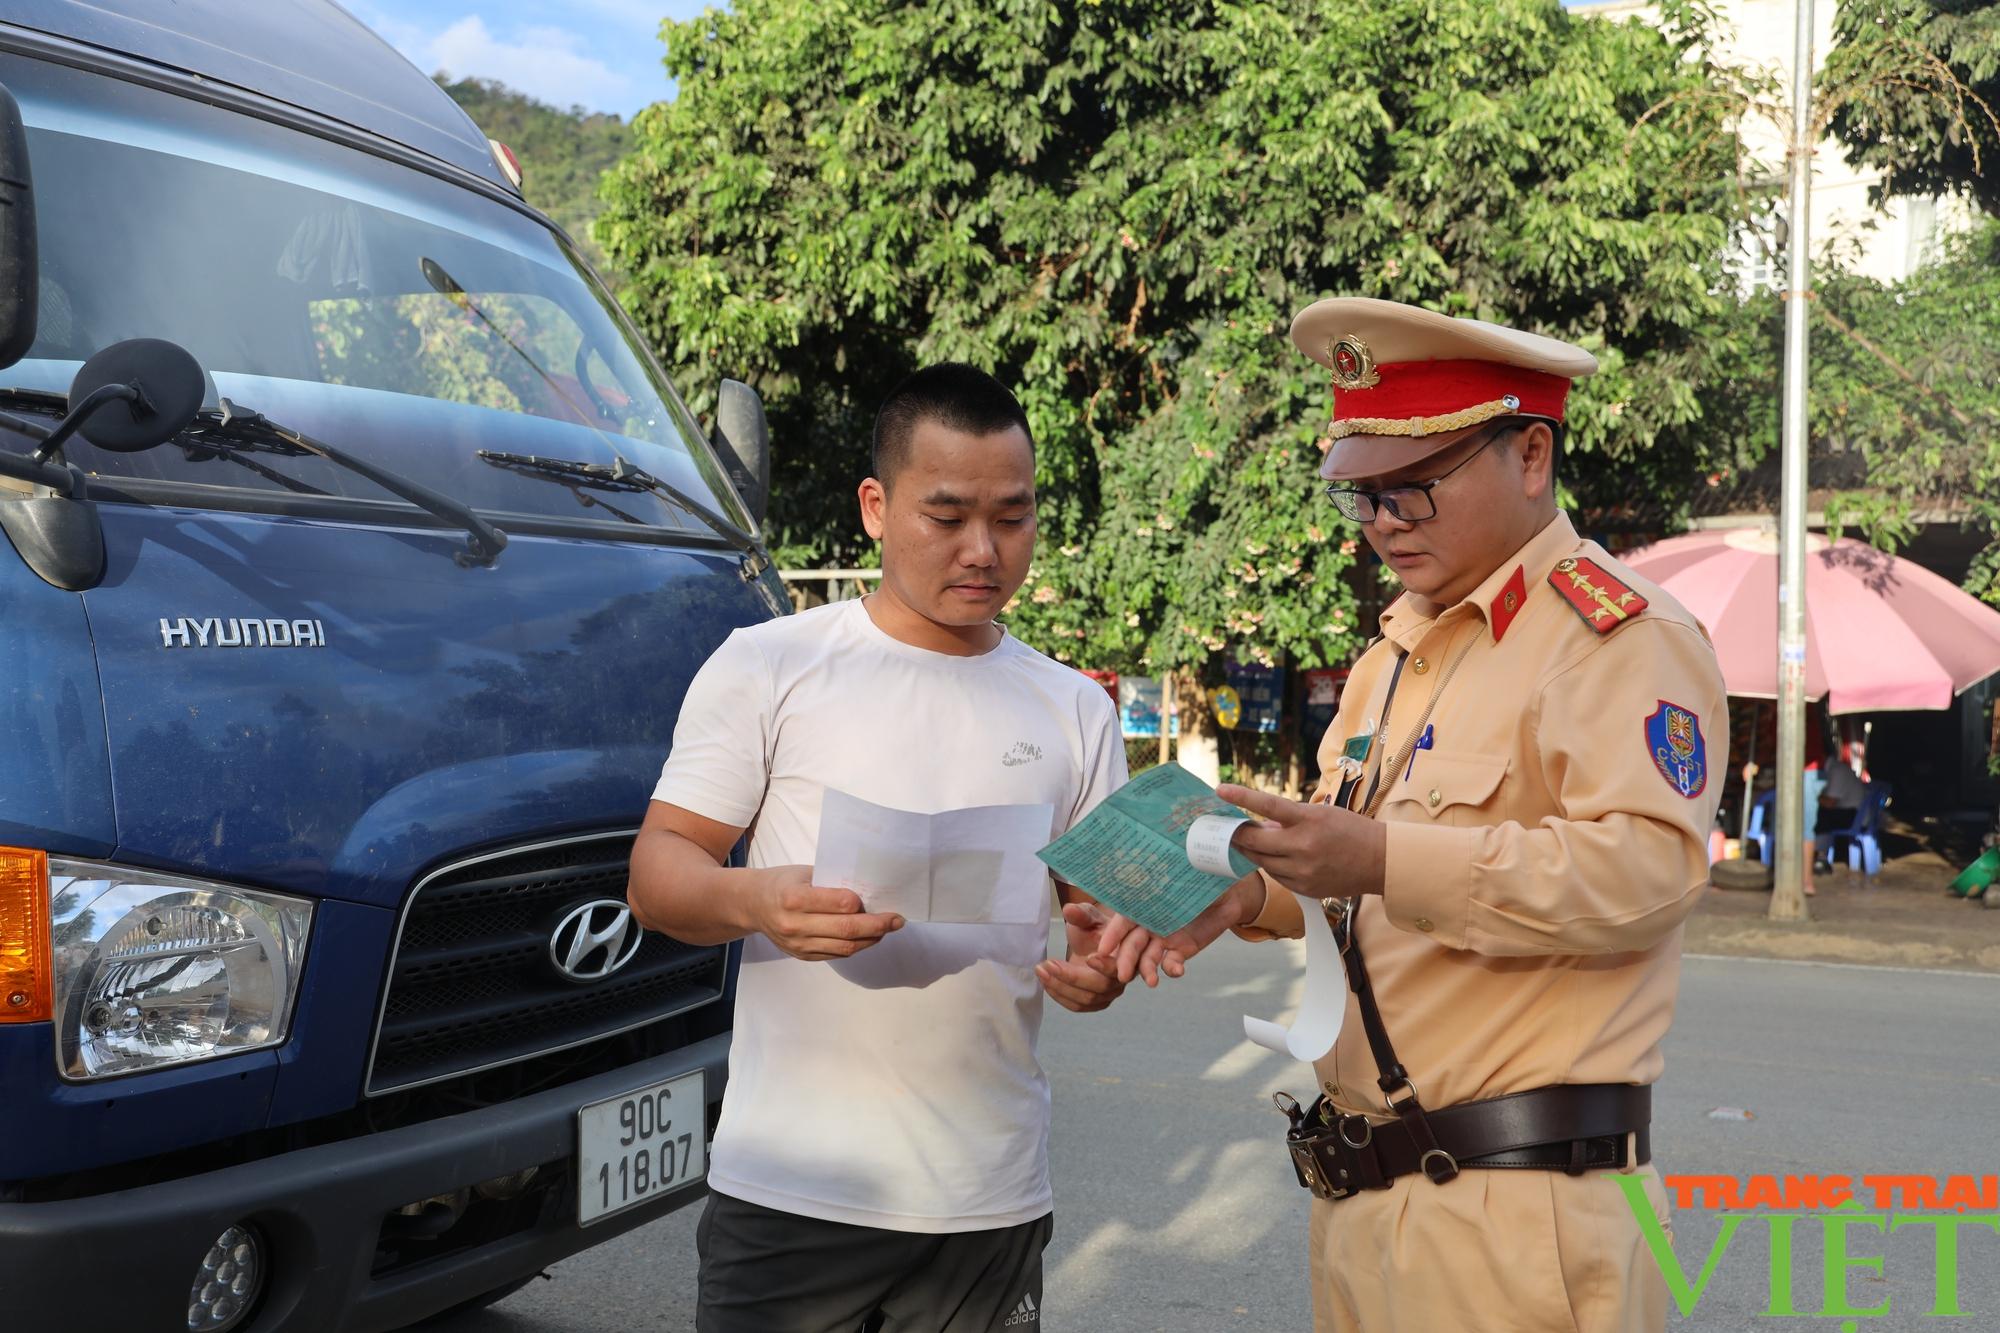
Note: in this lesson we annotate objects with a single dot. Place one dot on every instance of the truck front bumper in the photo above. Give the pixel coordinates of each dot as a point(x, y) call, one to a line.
point(127, 1260)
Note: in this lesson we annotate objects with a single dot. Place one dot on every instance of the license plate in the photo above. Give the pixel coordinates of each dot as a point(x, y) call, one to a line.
point(640, 1145)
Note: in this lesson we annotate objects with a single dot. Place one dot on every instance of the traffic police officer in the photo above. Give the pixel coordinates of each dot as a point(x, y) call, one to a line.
point(1509, 834)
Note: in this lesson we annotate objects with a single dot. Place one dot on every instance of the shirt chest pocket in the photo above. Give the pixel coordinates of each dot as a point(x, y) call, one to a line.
point(1448, 789)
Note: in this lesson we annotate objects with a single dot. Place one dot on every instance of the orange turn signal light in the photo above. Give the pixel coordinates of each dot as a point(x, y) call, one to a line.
point(25, 964)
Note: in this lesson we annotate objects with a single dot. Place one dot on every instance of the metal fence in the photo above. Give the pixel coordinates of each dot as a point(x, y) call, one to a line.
point(1143, 752)
point(816, 587)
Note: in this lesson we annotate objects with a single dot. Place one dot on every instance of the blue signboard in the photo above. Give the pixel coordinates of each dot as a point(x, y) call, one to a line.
point(1261, 690)
point(1139, 700)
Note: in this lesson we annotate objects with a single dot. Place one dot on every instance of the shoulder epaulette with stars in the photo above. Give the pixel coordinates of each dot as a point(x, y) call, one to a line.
point(1601, 600)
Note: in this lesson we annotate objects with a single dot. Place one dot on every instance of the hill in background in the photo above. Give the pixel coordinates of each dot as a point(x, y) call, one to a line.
point(562, 153)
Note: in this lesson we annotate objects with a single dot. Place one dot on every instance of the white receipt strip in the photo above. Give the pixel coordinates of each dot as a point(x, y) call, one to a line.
point(1324, 1003)
point(1208, 843)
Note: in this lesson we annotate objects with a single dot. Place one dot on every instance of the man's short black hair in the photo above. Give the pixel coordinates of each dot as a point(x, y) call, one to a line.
point(951, 393)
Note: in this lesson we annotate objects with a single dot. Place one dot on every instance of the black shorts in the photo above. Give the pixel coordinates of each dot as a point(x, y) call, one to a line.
point(766, 1271)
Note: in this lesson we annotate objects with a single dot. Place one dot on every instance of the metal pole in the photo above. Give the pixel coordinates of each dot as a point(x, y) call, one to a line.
point(1788, 901)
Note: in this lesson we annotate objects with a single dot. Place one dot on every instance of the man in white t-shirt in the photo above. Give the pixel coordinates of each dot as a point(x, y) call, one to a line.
point(882, 1157)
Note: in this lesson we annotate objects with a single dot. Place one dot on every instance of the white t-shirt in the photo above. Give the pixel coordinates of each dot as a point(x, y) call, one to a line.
point(898, 1088)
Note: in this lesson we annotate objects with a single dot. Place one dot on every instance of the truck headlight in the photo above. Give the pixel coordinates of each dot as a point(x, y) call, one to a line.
point(154, 969)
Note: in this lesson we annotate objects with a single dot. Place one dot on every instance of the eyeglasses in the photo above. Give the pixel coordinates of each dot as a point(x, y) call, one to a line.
point(1406, 504)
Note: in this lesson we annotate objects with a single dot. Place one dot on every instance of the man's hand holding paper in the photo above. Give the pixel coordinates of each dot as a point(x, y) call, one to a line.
point(814, 924)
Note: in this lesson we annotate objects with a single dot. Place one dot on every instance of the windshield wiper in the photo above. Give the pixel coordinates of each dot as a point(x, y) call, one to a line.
point(624, 476)
point(38, 468)
point(46, 400)
point(197, 448)
point(235, 425)
point(43, 469)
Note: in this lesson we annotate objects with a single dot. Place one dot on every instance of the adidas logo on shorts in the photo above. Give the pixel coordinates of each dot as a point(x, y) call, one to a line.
point(1024, 1313)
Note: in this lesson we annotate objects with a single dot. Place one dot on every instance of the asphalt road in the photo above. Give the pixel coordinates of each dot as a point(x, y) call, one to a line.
point(1176, 1211)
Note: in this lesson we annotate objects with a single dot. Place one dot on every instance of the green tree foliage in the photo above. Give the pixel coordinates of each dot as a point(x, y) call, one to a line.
point(496, 351)
point(1118, 206)
point(562, 153)
point(1906, 373)
point(1909, 375)
point(1910, 86)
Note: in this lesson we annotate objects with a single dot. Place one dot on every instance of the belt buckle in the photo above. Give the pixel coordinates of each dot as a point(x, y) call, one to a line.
point(1324, 1176)
point(1308, 1169)
point(1336, 1174)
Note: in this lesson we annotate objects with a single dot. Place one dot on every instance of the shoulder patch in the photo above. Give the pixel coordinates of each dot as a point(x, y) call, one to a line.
point(1674, 741)
point(1601, 600)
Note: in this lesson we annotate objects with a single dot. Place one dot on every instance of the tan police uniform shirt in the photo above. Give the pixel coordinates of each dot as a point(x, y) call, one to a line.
point(1543, 851)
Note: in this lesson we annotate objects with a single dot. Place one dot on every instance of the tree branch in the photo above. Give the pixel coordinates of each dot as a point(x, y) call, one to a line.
point(1900, 371)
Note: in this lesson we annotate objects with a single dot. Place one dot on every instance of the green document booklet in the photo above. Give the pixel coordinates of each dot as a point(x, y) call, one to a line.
point(1156, 850)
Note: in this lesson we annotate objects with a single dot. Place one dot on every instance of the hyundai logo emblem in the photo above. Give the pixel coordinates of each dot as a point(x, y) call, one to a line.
point(594, 940)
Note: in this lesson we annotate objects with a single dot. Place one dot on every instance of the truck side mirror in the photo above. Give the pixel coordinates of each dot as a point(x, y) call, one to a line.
point(20, 278)
point(147, 391)
point(743, 438)
point(129, 396)
point(134, 395)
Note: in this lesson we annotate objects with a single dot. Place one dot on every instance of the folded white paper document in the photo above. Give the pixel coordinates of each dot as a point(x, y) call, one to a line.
point(971, 865)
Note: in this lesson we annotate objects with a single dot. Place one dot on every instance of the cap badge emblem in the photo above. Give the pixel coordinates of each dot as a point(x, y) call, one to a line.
point(1353, 364)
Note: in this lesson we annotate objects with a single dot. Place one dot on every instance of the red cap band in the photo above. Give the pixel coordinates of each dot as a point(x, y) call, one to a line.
point(1410, 391)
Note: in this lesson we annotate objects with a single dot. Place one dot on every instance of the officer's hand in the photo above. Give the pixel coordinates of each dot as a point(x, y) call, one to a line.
point(811, 923)
point(1320, 851)
point(1115, 945)
point(1239, 903)
point(1081, 982)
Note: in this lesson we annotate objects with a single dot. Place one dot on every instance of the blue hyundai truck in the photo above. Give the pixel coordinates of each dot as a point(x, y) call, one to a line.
point(355, 555)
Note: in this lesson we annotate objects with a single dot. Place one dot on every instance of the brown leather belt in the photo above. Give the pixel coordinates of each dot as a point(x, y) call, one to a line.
point(1572, 1128)
point(1566, 1127)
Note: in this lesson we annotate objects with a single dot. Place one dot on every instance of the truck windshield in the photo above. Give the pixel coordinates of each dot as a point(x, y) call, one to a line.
point(388, 312)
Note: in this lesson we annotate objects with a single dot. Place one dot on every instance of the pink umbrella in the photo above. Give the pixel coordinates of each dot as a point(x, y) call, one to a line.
point(1881, 633)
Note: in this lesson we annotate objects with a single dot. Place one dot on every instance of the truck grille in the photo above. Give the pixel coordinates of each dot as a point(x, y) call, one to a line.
point(472, 984)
